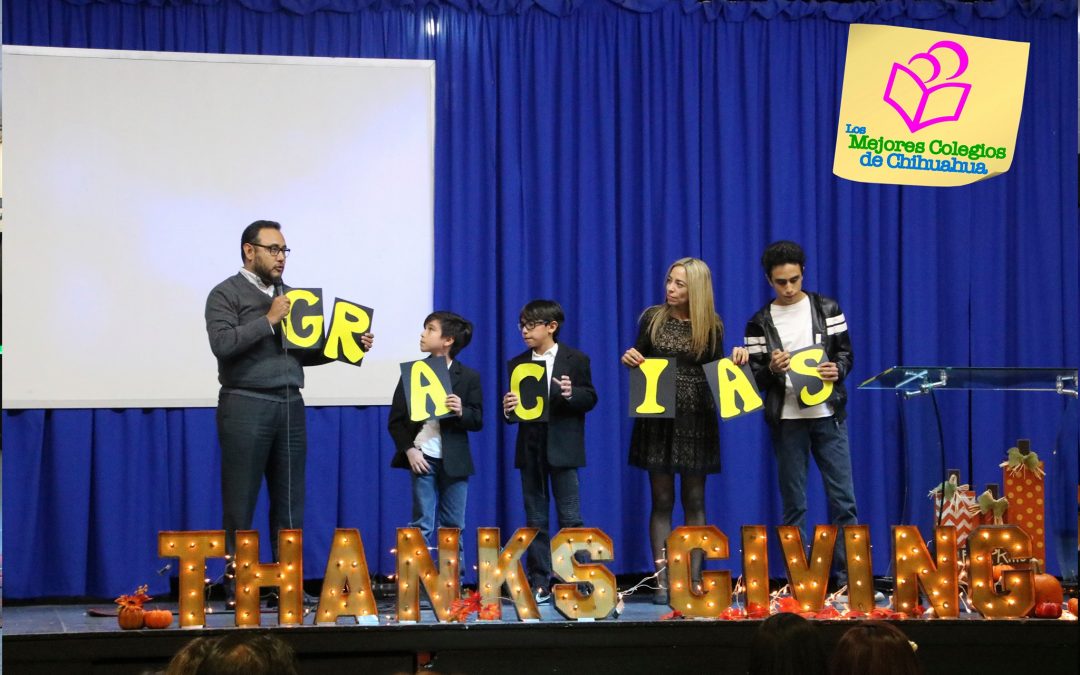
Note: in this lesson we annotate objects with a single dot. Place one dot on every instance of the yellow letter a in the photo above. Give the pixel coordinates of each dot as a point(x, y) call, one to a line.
point(424, 384)
point(731, 382)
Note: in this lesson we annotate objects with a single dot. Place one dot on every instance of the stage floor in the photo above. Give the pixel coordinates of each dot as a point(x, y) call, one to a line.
point(56, 638)
point(74, 619)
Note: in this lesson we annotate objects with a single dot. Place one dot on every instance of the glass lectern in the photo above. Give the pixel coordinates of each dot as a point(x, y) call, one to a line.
point(993, 408)
point(914, 380)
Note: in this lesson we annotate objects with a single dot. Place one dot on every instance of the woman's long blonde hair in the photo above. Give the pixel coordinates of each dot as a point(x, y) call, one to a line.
point(706, 328)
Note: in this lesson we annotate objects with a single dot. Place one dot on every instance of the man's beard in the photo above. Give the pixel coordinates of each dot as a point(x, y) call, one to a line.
point(265, 274)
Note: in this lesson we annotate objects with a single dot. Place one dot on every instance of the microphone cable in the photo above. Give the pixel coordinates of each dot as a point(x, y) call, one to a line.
point(279, 289)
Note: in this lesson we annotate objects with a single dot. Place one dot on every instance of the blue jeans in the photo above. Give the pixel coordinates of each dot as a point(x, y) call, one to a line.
point(437, 500)
point(826, 439)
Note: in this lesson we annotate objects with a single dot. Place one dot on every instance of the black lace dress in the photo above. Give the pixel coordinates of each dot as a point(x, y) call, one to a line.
point(689, 443)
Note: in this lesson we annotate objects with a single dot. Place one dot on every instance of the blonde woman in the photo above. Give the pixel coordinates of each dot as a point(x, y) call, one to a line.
point(686, 327)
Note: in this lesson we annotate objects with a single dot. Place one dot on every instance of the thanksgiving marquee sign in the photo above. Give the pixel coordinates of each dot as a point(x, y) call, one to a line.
point(346, 589)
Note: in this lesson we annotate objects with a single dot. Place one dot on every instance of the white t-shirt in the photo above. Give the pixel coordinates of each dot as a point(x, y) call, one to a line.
point(429, 439)
point(548, 358)
point(796, 328)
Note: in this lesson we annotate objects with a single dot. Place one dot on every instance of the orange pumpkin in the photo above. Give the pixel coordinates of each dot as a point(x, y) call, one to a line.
point(1072, 606)
point(130, 618)
point(158, 618)
point(998, 569)
point(1047, 589)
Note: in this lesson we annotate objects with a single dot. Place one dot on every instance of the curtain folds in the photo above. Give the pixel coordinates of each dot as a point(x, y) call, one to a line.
point(582, 146)
point(729, 10)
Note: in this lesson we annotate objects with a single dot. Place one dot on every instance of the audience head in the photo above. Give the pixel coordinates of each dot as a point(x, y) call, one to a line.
point(190, 657)
point(787, 644)
point(239, 653)
point(875, 647)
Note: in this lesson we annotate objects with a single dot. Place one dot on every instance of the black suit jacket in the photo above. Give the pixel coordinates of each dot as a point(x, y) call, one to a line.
point(456, 455)
point(566, 417)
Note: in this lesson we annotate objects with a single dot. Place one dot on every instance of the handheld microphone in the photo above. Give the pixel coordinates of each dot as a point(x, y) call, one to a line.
point(279, 289)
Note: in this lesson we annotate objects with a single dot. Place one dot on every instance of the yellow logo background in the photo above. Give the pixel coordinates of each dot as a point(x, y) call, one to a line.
point(985, 129)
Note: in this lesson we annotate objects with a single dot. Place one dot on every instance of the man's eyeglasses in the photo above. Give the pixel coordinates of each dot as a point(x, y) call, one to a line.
point(274, 250)
point(529, 325)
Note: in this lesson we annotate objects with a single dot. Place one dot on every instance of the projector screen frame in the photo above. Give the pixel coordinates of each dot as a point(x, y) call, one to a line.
point(395, 323)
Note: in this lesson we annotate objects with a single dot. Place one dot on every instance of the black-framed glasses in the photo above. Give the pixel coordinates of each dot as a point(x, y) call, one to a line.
point(529, 325)
point(274, 250)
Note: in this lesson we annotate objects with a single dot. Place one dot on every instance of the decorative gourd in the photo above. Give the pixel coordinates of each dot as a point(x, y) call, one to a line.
point(1048, 610)
point(130, 616)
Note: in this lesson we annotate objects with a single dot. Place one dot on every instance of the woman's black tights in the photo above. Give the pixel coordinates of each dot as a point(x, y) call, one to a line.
point(663, 504)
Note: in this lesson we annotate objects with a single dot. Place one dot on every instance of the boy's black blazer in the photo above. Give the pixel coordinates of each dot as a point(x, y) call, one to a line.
point(566, 417)
point(456, 456)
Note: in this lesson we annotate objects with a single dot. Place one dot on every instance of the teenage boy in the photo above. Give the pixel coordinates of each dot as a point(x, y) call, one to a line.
point(551, 452)
point(437, 451)
point(793, 320)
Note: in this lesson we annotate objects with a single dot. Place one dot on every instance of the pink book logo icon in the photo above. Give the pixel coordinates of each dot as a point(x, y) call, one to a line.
point(927, 102)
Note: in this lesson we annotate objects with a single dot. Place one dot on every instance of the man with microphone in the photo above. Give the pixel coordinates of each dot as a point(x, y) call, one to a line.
point(260, 415)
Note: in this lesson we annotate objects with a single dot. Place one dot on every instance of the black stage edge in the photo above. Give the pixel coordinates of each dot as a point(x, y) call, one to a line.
point(631, 646)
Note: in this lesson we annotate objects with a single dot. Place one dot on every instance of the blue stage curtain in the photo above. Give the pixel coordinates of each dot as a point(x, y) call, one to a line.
point(582, 146)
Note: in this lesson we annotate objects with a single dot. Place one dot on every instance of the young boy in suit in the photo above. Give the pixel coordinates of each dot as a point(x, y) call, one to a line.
point(551, 452)
point(437, 451)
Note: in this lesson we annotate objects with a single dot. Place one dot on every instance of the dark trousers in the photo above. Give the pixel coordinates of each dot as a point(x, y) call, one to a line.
point(260, 437)
point(536, 475)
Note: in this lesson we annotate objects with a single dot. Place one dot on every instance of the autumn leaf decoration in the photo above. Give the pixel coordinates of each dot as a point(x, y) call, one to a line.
point(469, 604)
point(137, 599)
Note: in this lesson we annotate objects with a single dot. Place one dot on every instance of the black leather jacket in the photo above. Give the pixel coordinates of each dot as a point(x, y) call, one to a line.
point(830, 330)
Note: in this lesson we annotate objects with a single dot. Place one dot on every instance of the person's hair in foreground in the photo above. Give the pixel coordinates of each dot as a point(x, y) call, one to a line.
point(190, 657)
point(787, 644)
point(239, 653)
point(875, 647)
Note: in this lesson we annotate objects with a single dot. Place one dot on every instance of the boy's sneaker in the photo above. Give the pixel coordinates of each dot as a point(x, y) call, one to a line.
point(542, 597)
point(879, 598)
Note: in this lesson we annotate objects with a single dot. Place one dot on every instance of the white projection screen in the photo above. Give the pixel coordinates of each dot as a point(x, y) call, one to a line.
point(129, 177)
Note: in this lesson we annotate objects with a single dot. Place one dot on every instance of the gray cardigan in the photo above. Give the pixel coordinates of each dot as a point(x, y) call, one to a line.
point(249, 352)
